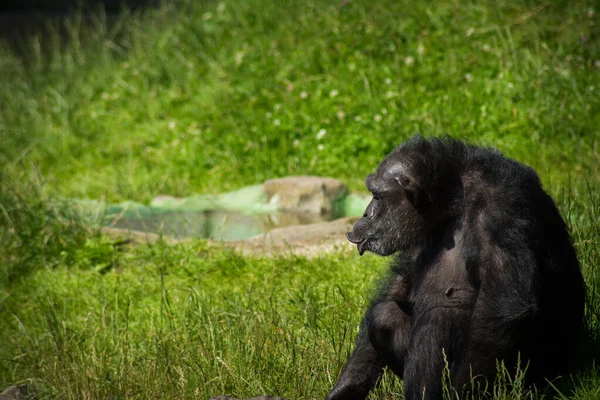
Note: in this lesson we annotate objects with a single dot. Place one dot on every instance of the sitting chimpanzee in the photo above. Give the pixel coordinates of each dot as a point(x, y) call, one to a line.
point(486, 272)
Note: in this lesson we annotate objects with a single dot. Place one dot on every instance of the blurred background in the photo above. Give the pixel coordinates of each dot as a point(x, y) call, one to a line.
point(117, 102)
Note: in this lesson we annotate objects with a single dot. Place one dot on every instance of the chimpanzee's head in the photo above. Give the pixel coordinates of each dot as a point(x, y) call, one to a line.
point(407, 200)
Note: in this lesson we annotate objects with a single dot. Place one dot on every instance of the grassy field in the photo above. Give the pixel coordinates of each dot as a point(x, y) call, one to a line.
point(204, 97)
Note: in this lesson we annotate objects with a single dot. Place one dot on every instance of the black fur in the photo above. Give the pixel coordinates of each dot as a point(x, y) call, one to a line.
point(485, 271)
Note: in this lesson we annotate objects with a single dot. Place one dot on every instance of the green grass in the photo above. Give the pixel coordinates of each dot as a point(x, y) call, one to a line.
point(173, 325)
point(188, 100)
point(203, 97)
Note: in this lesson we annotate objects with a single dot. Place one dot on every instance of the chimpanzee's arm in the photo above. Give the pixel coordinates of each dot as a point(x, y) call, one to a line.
point(362, 370)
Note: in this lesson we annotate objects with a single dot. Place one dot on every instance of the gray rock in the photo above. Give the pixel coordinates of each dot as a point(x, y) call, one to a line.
point(223, 397)
point(302, 240)
point(305, 194)
point(17, 392)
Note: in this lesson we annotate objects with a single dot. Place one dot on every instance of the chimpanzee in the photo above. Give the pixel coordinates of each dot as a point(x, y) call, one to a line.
point(485, 272)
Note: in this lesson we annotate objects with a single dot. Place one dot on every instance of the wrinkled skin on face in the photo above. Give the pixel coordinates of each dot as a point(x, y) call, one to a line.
point(394, 219)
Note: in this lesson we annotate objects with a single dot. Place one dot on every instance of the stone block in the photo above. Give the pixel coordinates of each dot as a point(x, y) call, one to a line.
point(305, 194)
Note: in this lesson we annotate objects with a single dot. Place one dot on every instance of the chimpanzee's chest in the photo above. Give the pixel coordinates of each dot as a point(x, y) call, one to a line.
point(443, 281)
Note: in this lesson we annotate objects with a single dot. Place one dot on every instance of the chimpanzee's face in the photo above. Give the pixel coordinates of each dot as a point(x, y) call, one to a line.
point(392, 220)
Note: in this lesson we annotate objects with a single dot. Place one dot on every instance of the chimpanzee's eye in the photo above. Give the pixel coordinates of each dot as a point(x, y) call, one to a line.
point(403, 181)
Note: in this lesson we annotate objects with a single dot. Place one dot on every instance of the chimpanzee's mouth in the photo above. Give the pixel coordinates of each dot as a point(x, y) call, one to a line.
point(360, 244)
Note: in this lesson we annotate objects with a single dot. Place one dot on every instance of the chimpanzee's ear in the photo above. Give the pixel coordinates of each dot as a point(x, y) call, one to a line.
point(412, 189)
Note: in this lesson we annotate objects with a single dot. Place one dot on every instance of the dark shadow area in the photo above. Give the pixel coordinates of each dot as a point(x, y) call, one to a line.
point(22, 20)
point(67, 5)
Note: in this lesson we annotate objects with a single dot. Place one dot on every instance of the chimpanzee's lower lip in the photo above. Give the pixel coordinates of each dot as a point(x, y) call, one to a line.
point(360, 244)
point(361, 247)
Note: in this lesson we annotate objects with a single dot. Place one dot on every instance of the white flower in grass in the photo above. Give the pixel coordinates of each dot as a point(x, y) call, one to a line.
point(357, 118)
point(296, 143)
point(239, 57)
point(303, 95)
point(268, 114)
point(172, 125)
point(320, 147)
point(469, 32)
point(276, 122)
point(105, 96)
point(485, 47)
point(321, 134)
point(409, 61)
point(510, 85)
point(333, 93)
point(388, 81)
point(377, 117)
point(384, 111)
point(597, 63)
point(468, 77)
point(420, 49)
point(290, 87)
point(341, 114)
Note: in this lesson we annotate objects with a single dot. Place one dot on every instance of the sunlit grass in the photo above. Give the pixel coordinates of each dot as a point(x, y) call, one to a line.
point(208, 97)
